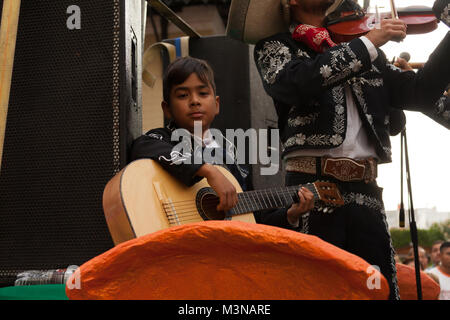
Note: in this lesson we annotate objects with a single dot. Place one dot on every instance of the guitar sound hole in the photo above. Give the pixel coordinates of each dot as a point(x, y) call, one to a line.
point(207, 202)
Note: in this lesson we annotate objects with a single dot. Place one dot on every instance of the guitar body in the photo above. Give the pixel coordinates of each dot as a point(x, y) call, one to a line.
point(144, 198)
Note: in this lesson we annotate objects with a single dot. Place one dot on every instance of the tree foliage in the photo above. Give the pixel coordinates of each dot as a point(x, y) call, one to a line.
point(438, 231)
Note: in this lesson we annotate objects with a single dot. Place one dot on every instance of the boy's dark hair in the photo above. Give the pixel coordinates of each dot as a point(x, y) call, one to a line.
point(180, 69)
point(444, 245)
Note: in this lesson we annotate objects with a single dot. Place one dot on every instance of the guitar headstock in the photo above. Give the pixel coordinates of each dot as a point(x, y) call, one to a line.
point(328, 194)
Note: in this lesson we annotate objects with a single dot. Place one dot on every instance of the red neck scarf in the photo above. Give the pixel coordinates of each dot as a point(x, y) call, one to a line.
point(317, 39)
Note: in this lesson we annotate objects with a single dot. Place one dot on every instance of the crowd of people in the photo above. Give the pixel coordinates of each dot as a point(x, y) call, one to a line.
point(435, 264)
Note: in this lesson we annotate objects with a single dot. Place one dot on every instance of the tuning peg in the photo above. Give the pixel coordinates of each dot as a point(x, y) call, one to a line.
point(320, 209)
point(330, 210)
point(325, 210)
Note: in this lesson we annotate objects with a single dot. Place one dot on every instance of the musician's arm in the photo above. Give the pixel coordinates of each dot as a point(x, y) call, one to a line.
point(420, 91)
point(289, 74)
point(441, 111)
point(288, 217)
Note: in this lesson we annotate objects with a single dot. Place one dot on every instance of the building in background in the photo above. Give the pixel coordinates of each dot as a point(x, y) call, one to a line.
point(424, 217)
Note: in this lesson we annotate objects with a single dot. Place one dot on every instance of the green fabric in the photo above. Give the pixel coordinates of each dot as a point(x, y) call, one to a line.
point(34, 292)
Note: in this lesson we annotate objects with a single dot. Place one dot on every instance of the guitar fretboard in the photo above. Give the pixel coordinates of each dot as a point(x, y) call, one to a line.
point(272, 198)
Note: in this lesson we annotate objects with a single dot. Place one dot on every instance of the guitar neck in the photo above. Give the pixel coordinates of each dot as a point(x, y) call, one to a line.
point(273, 198)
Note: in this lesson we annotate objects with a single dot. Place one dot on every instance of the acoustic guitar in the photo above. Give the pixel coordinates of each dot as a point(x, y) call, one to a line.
point(143, 198)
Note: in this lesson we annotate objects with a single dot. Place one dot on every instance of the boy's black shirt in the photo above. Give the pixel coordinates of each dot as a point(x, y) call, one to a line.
point(157, 145)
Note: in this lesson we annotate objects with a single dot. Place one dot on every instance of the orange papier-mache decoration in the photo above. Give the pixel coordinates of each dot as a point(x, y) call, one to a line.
point(406, 277)
point(227, 260)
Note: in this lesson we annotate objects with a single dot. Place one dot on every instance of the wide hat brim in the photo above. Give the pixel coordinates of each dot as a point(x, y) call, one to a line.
point(252, 20)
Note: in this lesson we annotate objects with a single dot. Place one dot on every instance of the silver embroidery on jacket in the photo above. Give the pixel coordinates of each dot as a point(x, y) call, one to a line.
point(388, 151)
point(155, 136)
point(303, 120)
point(301, 54)
point(272, 58)
point(340, 66)
point(176, 157)
point(363, 200)
point(323, 139)
point(357, 89)
point(318, 139)
point(325, 71)
point(339, 111)
point(377, 82)
point(393, 281)
point(440, 108)
point(360, 97)
point(305, 223)
point(445, 16)
point(390, 65)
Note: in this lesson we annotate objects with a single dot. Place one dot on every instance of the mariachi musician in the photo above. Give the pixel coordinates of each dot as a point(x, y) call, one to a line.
point(337, 104)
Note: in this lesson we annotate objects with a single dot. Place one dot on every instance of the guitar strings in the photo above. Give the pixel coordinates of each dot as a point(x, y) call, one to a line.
point(243, 196)
point(191, 210)
point(258, 193)
point(252, 203)
point(250, 195)
point(186, 210)
point(174, 216)
point(250, 200)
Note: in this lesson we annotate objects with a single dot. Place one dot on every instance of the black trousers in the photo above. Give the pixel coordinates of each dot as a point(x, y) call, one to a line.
point(358, 227)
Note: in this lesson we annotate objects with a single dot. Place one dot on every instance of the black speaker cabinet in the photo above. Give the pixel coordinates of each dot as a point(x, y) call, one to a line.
point(243, 102)
point(74, 108)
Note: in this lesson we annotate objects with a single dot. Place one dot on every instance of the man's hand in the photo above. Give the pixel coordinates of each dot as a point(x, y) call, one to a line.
point(390, 30)
point(305, 204)
point(222, 186)
point(403, 64)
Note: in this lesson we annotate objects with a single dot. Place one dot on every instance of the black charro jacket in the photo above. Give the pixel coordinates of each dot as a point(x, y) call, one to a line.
point(308, 91)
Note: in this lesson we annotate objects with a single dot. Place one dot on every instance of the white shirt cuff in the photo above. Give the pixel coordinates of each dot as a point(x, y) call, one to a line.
point(370, 47)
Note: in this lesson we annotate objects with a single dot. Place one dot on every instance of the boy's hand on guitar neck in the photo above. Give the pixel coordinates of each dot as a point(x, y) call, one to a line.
point(222, 186)
point(305, 204)
point(228, 195)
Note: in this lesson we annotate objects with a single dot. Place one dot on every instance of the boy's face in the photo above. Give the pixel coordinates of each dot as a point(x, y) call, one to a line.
point(192, 100)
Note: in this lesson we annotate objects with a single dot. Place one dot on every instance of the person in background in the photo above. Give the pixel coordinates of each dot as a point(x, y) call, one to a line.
point(442, 271)
point(435, 256)
point(423, 258)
